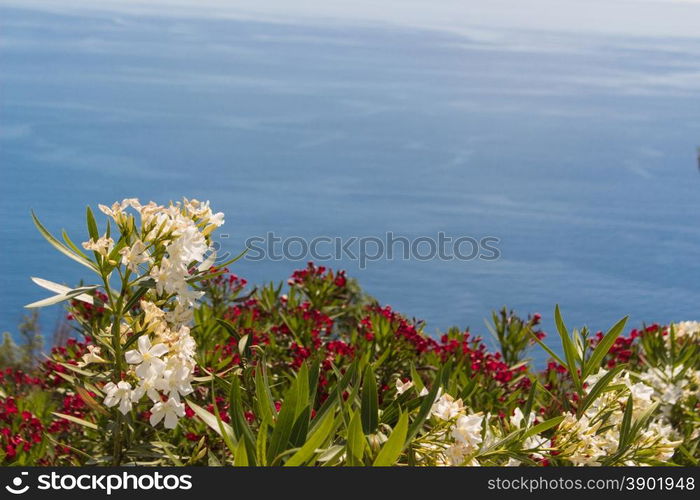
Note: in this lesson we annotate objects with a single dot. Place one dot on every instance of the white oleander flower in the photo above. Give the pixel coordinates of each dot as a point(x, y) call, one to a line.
point(189, 297)
point(447, 408)
point(467, 431)
point(149, 388)
point(92, 356)
point(147, 357)
point(535, 443)
point(455, 454)
point(667, 390)
point(181, 314)
point(217, 219)
point(116, 212)
point(176, 381)
point(641, 395)
point(518, 418)
point(184, 347)
point(188, 246)
point(167, 276)
point(154, 320)
point(402, 387)
point(118, 394)
point(166, 367)
point(134, 256)
point(102, 245)
point(686, 329)
point(593, 378)
point(170, 412)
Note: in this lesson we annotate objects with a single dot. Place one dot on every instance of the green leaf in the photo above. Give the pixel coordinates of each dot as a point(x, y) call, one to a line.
point(238, 421)
point(336, 394)
point(227, 434)
point(314, 442)
point(261, 444)
point(596, 359)
point(76, 420)
point(370, 402)
point(301, 427)
point(283, 425)
point(598, 388)
point(231, 261)
point(551, 353)
point(61, 297)
point(302, 384)
point(641, 421)
point(392, 449)
point(355, 441)
point(314, 373)
point(62, 248)
point(91, 224)
point(425, 408)
point(416, 379)
point(60, 289)
point(221, 428)
point(135, 298)
point(73, 246)
point(626, 426)
point(266, 406)
point(570, 354)
point(228, 327)
point(544, 426)
point(132, 340)
point(240, 459)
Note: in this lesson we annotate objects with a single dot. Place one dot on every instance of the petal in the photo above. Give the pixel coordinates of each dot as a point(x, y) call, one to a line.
point(137, 394)
point(133, 357)
point(144, 344)
point(170, 420)
point(144, 370)
point(180, 409)
point(153, 395)
point(185, 389)
point(159, 349)
point(125, 405)
point(156, 416)
point(157, 365)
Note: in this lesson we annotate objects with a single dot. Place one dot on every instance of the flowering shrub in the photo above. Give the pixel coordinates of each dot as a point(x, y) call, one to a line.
point(178, 362)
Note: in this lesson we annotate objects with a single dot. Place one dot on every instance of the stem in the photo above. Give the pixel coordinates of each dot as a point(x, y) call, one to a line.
point(117, 450)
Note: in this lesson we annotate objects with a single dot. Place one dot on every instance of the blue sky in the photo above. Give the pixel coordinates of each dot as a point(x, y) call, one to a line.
point(652, 18)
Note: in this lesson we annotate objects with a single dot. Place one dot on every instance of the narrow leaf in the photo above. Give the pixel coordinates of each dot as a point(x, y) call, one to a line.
point(370, 402)
point(392, 449)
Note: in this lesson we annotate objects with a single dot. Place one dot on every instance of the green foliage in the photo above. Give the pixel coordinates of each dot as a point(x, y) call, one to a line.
point(318, 373)
point(25, 355)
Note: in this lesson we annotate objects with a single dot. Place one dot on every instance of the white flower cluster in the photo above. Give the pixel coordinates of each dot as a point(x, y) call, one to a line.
point(169, 241)
point(594, 436)
point(466, 431)
point(687, 329)
point(671, 385)
point(402, 387)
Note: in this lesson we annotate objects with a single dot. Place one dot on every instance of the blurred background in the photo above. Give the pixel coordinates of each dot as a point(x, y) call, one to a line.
point(566, 129)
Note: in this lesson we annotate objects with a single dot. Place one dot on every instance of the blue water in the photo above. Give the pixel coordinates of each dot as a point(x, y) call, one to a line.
point(577, 151)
